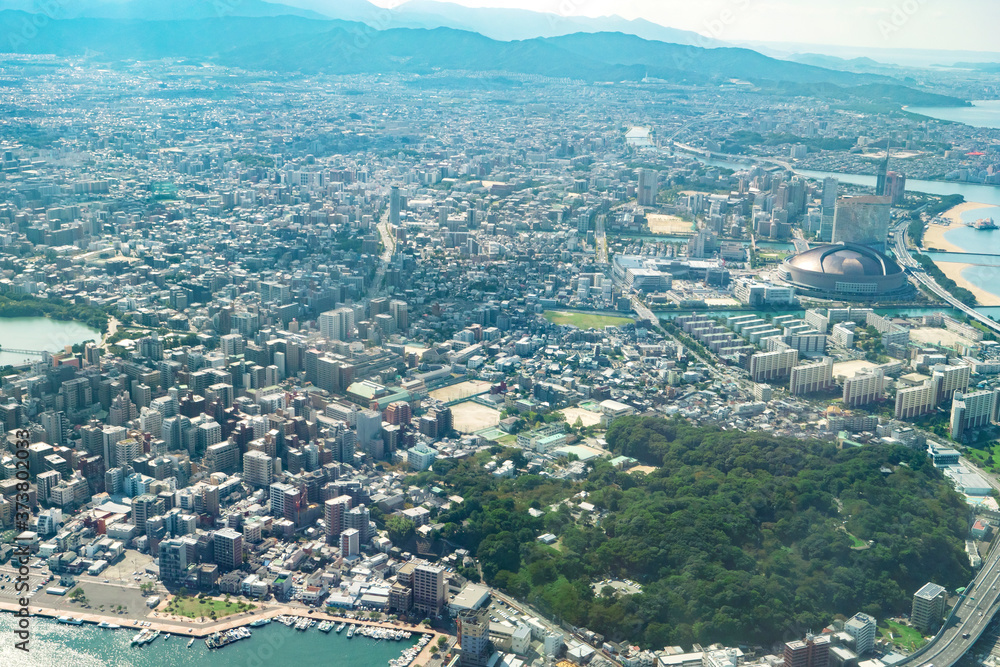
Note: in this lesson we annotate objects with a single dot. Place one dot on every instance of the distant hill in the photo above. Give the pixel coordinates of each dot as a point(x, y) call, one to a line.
point(298, 44)
point(161, 10)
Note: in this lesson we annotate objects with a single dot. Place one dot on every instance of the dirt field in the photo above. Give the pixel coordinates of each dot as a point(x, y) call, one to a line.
point(669, 224)
point(461, 390)
point(936, 336)
point(587, 417)
point(849, 369)
point(470, 417)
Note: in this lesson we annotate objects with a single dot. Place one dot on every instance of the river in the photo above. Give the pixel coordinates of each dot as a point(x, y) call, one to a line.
point(40, 333)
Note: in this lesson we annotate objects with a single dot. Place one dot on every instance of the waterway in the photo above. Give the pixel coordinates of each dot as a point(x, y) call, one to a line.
point(274, 644)
point(982, 113)
point(40, 333)
point(986, 194)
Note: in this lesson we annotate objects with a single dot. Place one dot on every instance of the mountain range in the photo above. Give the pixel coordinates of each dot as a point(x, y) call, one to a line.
point(271, 40)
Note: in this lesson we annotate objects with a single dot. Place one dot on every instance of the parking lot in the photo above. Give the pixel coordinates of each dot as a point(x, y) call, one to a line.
point(36, 584)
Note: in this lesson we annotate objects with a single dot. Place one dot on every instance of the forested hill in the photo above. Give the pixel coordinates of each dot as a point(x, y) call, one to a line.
point(736, 537)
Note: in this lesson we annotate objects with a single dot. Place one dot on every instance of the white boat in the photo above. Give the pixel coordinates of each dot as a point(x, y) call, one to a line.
point(341, 627)
point(69, 621)
point(108, 626)
point(190, 643)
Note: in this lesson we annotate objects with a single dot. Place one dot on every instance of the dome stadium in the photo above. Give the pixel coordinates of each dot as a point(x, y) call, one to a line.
point(846, 271)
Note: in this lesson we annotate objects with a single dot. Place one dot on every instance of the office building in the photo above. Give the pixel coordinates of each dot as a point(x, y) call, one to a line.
point(862, 221)
point(395, 205)
point(337, 324)
point(647, 190)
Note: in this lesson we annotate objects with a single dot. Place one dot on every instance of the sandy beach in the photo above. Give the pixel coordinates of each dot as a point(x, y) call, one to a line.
point(954, 271)
point(934, 235)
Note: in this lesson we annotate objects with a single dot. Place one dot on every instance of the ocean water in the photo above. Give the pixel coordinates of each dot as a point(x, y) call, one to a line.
point(56, 645)
point(983, 113)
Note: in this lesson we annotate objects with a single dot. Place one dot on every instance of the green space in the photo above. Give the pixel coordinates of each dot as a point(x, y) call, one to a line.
point(902, 636)
point(197, 607)
point(585, 320)
point(857, 543)
point(735, 537)
point(22, 305)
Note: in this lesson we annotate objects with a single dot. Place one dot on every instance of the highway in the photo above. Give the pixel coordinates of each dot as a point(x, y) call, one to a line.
point(917, 273)
point(601, 239)
point(389, 245)
point(973, 614)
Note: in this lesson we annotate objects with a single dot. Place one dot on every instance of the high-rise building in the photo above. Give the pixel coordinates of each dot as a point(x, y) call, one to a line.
point(474, 638)
point(398, 310)
point(928, 607)
point(395, 205)
point(258, 468)
point(813, 651)
point(775, 365)
point(144, 507)
point(831, 187)
point(882, 174)
point(337, 324)
point(952, 379)
point(428, 589)
point(173, 561)
point(864, 388)
point(811, 378)
point(228, 549)
point(334, 510)
point(369, 426)
point(972, 411)
point(862, 221)
point(915, 401)
point(895, 187)
point(349, 546)
point(398, 413)
point(647, 191)
point(863, 628)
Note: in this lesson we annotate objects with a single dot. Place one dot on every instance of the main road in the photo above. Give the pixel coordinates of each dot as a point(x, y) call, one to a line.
point(917, 272)
point(972, 614)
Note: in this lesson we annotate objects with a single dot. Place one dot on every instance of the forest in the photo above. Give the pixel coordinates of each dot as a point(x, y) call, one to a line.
point(735, 537)
point(17, 305)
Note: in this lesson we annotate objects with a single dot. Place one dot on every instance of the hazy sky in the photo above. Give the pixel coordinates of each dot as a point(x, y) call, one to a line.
point(924, 24)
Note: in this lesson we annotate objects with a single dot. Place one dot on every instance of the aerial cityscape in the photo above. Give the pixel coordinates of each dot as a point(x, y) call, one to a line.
point(498, 334)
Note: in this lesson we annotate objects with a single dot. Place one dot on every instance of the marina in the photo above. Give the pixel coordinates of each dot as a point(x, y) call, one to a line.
point(90, 645)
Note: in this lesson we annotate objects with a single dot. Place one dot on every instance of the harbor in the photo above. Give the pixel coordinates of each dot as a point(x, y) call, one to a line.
point(88, 644)
point(396, 639)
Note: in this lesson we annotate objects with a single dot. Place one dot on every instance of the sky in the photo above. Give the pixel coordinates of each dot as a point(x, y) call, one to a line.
point(915, 24)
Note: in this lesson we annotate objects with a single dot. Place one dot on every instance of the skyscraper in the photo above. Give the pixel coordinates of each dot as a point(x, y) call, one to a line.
point(862, 220)
point(895, 187)
point(647, 190)
point(394, 206)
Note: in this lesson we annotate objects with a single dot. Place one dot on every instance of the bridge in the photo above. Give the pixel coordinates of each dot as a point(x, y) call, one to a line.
point(15, 350)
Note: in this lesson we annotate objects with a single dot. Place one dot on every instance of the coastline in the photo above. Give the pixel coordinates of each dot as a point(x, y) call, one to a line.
point(190, 628)
point(954, 271)
point(934, 235)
